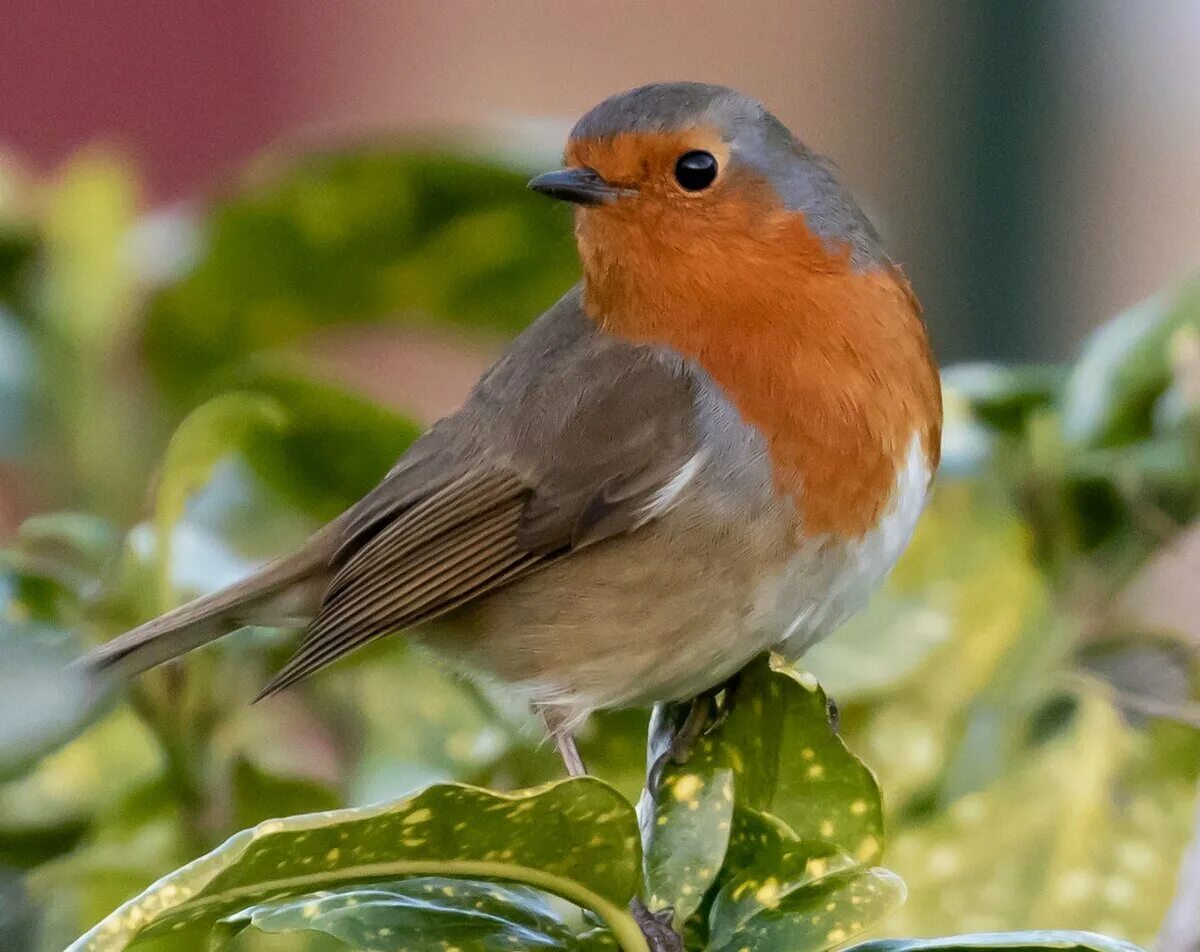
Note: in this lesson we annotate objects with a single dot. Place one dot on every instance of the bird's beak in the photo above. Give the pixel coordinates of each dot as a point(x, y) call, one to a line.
point(583, 186)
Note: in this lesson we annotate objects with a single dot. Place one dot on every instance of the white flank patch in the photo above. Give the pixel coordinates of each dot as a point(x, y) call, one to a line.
point(668, 493)
point(823, 587)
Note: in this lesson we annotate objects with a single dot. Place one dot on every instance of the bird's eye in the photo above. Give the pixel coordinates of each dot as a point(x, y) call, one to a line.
point(696, 170)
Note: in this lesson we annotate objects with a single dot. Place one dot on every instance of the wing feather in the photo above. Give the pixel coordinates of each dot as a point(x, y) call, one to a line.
point(471, 494)
point(433, 558)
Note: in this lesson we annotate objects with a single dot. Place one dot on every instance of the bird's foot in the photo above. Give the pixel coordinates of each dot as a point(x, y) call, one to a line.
point(707, 710)
point(833, 714)
point(657, 927)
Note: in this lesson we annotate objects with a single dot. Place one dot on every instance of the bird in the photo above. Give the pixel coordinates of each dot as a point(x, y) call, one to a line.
point(716, 444)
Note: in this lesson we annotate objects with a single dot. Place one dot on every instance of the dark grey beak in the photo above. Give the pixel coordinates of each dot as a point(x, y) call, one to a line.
point(579, 185)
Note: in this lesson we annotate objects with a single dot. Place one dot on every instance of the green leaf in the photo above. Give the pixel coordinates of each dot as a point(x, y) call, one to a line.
point(1124, 368)
point(59, 561)
point(1002, 942)
point(576, 839)
point(226, 424)
point(1003, 397)
point(784, 893)
point(88, 280)
point(83, 540)
point(371, 235)
point(964, 597)
point(336, 445)
point(27, 846)
point(428, 914)
point(19, 239)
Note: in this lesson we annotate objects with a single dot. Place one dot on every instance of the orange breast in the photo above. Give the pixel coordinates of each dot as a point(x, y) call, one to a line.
point(831, 364)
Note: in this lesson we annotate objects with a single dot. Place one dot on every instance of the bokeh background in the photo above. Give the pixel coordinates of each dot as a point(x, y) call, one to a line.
point(301, 228)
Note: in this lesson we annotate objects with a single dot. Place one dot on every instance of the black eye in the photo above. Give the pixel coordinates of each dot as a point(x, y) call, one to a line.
point(696, 170)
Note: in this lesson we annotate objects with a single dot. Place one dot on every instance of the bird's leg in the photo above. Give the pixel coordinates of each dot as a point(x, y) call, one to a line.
point(558, 724)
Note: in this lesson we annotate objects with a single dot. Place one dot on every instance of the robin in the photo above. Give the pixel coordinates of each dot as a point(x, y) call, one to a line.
point(717, 443)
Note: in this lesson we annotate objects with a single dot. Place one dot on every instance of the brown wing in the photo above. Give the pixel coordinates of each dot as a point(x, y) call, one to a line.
point(571, 439)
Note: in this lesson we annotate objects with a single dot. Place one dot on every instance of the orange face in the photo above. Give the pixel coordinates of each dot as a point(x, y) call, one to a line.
point(828, 361)
point(646, 161)
point(656, 204)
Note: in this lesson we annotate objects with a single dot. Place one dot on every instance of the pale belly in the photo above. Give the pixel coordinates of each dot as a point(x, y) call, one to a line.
point(678, 606)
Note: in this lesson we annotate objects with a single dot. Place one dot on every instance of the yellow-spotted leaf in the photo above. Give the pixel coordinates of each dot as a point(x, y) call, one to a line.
point(966, 597)
point(774, 748)
point(430, 914)
point(1086, 833)
point(790, 760)
point(576, 839)
point(688, 830)
point(781, 893)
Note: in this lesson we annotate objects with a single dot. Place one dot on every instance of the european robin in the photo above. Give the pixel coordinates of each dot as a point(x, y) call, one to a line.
point(718, 442)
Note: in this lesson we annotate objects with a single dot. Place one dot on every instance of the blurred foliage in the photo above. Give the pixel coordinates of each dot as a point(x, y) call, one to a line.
point(1037, 750)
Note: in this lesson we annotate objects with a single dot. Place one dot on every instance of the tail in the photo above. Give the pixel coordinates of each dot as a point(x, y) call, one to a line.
point(213, 616)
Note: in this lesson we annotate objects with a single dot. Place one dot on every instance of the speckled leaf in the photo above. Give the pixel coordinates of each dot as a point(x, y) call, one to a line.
point(1086, 833)
point(783, 893)
point(791, 760)
point(429, 914)
point(687, 834)
point(975, 597)
point(576, 838)
point(776, 747)
point(1059, 939)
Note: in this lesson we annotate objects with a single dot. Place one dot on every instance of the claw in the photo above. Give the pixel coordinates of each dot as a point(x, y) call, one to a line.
point(831, 712)
point(657, 927)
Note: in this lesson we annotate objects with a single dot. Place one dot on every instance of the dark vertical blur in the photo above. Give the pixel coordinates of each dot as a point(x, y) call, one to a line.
point(1009, 121)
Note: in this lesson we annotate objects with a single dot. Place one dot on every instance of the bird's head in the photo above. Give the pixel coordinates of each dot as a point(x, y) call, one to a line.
point(698, 173)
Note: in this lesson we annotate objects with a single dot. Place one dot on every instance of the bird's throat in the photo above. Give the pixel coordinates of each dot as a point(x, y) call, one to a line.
point(830, 363)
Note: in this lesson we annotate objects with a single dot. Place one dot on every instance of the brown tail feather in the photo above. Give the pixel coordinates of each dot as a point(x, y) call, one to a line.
point(212, 616)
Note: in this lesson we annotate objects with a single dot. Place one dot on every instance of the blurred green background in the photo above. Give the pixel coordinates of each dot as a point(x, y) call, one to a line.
point(187, 387)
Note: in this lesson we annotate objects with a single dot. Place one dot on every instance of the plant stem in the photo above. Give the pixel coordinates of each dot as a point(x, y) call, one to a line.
point(182, 773)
